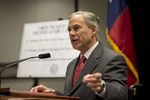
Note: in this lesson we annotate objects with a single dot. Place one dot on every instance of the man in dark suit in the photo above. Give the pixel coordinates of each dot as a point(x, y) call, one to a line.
point(103, 75)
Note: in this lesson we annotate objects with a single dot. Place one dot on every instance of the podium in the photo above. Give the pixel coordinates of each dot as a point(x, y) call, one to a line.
point(7, 94)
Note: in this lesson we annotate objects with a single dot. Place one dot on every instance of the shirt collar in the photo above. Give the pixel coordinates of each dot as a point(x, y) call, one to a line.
point(90, 50)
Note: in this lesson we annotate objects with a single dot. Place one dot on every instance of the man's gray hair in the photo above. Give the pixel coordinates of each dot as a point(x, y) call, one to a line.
point(91, 20)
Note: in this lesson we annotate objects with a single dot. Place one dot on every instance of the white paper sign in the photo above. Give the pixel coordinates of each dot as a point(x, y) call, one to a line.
point(46, 37)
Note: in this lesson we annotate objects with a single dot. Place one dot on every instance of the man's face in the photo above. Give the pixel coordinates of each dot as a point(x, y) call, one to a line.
point(81, 36)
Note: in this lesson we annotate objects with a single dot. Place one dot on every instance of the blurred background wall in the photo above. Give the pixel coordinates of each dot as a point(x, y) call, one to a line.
point(15, 13)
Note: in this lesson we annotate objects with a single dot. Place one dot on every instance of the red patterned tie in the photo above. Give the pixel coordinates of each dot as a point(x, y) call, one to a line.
point(78, 69)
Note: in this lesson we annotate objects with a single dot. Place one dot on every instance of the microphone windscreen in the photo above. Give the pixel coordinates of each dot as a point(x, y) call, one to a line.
point(46, 55)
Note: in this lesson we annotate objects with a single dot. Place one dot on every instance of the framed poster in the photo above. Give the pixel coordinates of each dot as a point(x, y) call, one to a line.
point(46, 37)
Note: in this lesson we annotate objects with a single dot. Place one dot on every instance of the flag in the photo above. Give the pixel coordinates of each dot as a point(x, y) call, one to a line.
point(119, 34)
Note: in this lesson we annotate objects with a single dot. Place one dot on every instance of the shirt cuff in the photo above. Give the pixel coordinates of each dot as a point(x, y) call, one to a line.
point(102, 94)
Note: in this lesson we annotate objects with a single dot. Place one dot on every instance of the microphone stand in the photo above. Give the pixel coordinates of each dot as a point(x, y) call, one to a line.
point(41, 56)
point(13, 63)
point(35, 82)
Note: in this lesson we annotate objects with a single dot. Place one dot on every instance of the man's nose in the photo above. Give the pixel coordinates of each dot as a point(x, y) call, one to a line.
point(72, 32)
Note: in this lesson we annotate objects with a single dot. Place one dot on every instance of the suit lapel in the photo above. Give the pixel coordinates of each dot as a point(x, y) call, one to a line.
point(90, 65)
point(70, 75)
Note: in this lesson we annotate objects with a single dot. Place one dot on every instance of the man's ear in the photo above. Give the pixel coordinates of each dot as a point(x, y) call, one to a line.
point(94, 30)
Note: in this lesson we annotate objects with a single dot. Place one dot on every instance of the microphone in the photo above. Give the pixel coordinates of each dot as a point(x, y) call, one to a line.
point(40, 56)
point(43, 56)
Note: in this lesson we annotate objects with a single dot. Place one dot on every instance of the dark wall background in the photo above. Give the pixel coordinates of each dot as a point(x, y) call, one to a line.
point(140, 17)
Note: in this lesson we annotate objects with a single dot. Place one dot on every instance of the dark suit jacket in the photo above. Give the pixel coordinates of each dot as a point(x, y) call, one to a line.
point(114, 72)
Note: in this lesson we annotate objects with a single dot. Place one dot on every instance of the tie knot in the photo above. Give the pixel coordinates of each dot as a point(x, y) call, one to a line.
point(83, 59)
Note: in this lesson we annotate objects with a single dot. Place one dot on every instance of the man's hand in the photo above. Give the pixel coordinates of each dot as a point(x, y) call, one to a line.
point(94, 81)
point(42, 88)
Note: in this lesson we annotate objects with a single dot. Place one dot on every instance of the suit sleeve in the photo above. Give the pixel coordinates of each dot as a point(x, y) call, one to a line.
point(115, 76)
